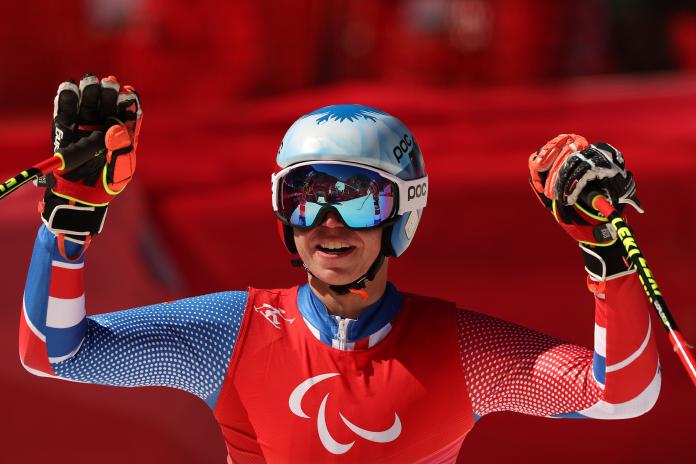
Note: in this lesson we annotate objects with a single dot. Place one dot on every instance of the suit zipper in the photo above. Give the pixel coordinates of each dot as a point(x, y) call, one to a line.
point(342, 334)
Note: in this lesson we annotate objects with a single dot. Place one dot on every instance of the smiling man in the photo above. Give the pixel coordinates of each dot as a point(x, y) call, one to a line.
point(344, 368)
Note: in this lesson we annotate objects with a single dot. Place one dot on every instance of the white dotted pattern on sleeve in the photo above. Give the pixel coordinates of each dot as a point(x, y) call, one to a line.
point(184, 344)
point(511, 368)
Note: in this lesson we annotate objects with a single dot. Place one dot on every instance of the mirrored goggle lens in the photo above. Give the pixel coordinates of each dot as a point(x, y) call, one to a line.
point(361, 197)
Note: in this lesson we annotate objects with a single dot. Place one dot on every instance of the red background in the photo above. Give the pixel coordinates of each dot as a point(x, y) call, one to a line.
point(481, 84)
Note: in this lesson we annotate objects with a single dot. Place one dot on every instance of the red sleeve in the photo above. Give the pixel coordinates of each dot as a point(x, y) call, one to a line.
point(511, 368)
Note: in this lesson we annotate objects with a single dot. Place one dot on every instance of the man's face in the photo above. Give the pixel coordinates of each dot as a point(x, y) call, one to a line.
point(336, 254)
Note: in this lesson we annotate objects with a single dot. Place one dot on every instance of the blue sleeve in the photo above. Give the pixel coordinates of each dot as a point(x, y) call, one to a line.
point(185, 344)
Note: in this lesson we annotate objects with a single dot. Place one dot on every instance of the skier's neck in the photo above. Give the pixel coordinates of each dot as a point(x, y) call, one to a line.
point(350, 305)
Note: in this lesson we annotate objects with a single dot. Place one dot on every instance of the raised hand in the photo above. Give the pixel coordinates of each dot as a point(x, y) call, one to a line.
point(567, 168)
point(76, 198)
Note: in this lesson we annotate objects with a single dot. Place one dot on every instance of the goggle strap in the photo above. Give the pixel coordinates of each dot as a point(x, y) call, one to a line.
point(274, 190)
point(413, 194)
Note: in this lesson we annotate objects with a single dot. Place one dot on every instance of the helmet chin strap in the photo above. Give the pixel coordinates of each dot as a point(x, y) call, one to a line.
point(358, 285)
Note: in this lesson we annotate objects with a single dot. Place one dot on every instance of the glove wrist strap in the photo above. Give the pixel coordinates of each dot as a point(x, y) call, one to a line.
point(76, 222)
point(605, 262)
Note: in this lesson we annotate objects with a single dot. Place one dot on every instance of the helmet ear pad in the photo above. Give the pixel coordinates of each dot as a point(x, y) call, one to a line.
point(397, 236)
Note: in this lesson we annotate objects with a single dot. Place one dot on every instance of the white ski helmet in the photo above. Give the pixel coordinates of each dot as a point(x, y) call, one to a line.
point(367, 136)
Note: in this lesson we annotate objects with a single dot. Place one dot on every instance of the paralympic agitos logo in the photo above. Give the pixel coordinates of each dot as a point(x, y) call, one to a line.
point(329, 442)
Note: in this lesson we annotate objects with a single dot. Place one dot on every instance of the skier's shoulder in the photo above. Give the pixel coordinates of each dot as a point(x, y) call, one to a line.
point(223, 299)
point(216, 307)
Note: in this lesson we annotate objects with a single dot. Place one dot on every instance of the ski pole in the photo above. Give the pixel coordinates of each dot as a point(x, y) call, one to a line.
point(647, 278)
point(63, 160)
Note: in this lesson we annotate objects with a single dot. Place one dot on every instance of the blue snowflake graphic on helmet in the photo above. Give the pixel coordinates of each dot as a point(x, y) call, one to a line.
point(342, 112)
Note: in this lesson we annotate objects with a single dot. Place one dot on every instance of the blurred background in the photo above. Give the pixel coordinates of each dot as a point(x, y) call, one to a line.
point(482, 83)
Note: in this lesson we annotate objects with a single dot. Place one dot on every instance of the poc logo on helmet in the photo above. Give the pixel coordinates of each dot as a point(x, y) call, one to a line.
point(403, 147)
point(417, 191)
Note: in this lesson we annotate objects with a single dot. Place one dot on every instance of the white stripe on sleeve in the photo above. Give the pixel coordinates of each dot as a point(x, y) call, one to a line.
point(600, 340)
point(635, 354)
point(65, 313)
point(631, 408)
point(55, 263)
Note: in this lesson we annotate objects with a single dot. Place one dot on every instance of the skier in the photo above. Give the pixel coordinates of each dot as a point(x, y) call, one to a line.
point(344, 368)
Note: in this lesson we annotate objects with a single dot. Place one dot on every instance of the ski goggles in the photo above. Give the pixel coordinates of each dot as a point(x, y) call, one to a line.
point(363, 197)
